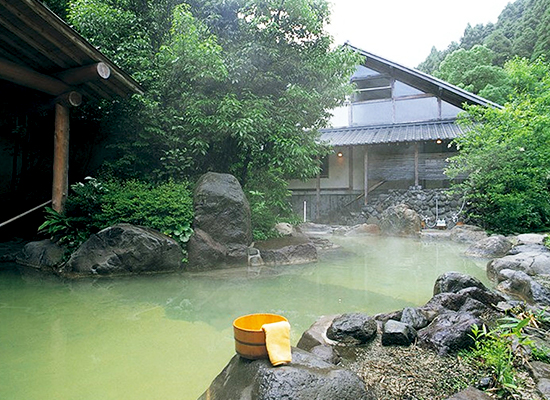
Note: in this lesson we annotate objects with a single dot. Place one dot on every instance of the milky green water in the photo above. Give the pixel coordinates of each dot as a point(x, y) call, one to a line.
point(167, 337)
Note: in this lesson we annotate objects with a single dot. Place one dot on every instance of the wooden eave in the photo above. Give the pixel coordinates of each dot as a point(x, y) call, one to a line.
point(33, 37)
point(424, 82)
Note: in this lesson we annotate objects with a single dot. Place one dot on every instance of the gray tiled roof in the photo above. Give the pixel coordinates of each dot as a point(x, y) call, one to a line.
point(393, 133)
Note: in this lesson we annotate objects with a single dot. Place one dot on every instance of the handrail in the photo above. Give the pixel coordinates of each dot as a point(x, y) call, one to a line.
point(25, 213)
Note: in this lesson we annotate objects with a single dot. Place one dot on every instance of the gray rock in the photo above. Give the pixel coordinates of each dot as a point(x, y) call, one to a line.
point(455, 301)
point(285, 229)
point(397, 333)
point(532, 263)
point(400, 220)
point(414, 317)
point(288, 255)
point(315, 230)
point(539, 369)
point(363, 229)
point(327, 354)
point(452, 282)
point(543, 386)
point(43, 255)
point(470, 394)
point(10, 251)
point(523, 286)
point(222, 224)
point(528, 248)
point(316, 335)
point(531, 238)
point(353, 328)
point(491, 247)
point(467, 233)
point(541, 373)
point(449, 332)
point(474, 307)
point(125, 249)
point(384, 317)
point(306, 378)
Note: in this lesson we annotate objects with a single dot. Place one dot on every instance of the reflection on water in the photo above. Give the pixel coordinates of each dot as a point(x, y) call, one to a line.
point(166, 337)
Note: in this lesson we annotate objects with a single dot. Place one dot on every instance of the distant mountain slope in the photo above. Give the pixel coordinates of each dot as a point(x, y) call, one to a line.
point(522, 29)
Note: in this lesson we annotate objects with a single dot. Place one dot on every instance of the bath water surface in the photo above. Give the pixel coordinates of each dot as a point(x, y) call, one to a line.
point(168, 336)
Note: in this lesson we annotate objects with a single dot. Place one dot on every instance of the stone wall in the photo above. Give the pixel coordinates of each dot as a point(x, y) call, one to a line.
point(348, 208)
point(430, 204)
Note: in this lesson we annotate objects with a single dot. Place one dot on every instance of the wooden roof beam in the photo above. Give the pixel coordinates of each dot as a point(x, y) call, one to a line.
point(87, 73)
point(28, 77)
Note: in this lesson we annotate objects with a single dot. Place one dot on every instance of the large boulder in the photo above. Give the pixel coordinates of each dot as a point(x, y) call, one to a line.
point(222, 224)
point(363, 230)
point(486, 301)
point(467, 233)
point(491, 247)
point(125, 249)
point(315, 340)
point(520, 285)
point(415, 318)
point(352, 328)
point(453, 282)
point(316, 335)
point(400, 220)
point(307, 377)
point(531, 239)
point(302, 253)
point(449, 332)
point(42, 255)
point(531, 262)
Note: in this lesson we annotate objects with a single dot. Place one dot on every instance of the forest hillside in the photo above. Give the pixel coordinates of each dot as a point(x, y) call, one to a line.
point(522, 30)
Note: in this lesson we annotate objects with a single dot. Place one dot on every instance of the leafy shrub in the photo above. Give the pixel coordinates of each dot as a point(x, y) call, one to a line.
point(95, 205)
point(505, 155)
point(269, 200)
point(502, 350)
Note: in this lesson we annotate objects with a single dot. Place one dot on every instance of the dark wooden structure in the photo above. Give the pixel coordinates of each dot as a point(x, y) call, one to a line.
point(40, 51)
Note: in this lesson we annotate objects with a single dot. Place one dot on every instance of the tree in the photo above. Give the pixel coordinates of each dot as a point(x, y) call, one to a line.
point(506, 155)
point(473, 70)
point(500, 45)
point(475, 35)
point(239, 86)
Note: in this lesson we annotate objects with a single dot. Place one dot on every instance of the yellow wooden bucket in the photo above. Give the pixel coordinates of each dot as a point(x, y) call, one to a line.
point(249, 336)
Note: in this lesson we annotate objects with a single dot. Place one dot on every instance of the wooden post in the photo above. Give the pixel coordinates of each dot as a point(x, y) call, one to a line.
point(416, 164)
point(350, 168)
point(60, 186)
point(318, 198)
point(366, 168)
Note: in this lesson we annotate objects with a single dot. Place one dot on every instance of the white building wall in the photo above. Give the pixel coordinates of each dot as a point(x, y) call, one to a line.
point(407, 105)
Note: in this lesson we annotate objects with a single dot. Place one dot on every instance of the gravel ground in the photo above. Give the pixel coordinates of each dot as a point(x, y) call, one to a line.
point(414, 373)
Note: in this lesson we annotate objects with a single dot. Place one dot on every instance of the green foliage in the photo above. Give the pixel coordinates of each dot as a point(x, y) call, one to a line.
point(95, 205)
point(521, 31)
point(506, 155)
point(269, 204)
point(493, 353)
point(60, 229)
point(502, 350)
point(230, 85)
point(473, 70)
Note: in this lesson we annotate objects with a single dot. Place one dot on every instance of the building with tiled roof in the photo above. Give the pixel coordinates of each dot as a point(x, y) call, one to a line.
point(394, 132)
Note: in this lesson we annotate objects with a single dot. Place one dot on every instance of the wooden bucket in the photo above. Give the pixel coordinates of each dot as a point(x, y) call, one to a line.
point(249, 336)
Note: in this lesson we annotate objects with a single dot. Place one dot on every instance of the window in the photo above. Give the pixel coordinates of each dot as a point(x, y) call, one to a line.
point(324, 167)
point(372, 88)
